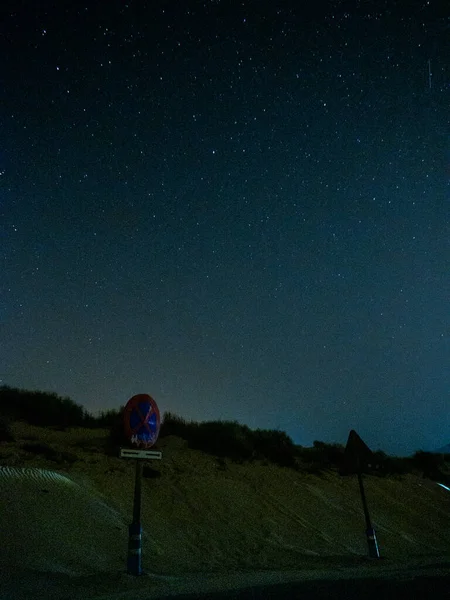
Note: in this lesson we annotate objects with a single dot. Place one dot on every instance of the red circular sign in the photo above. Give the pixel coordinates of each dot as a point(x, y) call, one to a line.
point(141, 420)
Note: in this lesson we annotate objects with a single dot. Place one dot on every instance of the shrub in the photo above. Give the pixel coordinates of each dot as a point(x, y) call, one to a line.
point(275, 446)
point(40, 408)
point(106, 419)
point(319, 458)
point(224, 439)
point(230, 439)
point(6, 434)
point(328, 455)
point(429, 463)
point(116, 437)
point(172, 424)
point(383, 465)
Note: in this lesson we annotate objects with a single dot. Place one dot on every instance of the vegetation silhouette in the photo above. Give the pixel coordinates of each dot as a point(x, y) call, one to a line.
point(6, 434)
point(432, 465)
point(232, 440)
point(41, 408)
point(223, 439)
point(47, 409)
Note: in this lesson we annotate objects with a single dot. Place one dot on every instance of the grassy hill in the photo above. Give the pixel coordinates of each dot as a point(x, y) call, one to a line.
point(201, 513)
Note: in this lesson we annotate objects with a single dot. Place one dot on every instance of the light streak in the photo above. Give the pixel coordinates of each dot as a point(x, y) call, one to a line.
point(444, 486)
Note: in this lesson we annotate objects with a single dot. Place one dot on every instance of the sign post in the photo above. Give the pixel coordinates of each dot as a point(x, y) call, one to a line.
point(370, 531)
point(134, 561)
point(141, 423)
point(357, 454)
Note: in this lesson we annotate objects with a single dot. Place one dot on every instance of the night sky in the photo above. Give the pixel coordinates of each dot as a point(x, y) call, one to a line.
point(240, 208)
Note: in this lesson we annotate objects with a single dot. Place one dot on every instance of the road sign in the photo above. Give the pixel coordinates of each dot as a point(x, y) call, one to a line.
point(141, 421)
point(141, 454)
point(141, 424)
point(357, 455)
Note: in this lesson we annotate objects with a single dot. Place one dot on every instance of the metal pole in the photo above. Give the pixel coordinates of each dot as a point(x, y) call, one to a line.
point(137, 492)
point(370, 532)
point(134, 566)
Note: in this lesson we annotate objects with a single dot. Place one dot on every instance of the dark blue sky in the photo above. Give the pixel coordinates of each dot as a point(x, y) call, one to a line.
point(242, 209)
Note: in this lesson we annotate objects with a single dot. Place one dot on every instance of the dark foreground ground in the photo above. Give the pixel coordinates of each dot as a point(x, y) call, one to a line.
point(428, 582)
point(367, 589)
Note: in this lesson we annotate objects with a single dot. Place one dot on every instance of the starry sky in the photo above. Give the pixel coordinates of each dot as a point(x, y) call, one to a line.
point(240, 208)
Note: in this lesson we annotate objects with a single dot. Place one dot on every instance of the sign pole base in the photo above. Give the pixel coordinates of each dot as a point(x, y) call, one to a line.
point(134, 561)
point(372, 543)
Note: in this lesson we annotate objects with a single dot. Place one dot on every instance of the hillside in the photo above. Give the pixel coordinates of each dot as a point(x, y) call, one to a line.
point(201, 514)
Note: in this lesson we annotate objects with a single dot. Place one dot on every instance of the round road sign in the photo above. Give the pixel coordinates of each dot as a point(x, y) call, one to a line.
point(141, 421)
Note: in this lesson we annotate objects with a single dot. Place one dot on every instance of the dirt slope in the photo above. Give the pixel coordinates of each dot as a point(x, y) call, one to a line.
point(201, 514)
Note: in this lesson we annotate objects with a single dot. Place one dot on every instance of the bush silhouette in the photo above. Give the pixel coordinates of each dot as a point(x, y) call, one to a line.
point(383, 465)
point(275, 446)
point(40, 408)
point(6, 434)
point(47, 409)
point(230, 439)
point(223, 439)
point(172, 424)
point(320, 457)
point(226, 439)
point(329, 455)
point(429, 463)
point(116, 437)
point(107, 418)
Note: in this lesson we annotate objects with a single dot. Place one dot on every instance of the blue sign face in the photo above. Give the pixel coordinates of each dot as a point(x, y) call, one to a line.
point(142, 420)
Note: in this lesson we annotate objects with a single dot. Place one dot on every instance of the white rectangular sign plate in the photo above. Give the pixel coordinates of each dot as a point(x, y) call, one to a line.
point(142, 454)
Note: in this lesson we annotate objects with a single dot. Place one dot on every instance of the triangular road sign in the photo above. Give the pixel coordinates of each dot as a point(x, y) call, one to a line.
point(357, 455)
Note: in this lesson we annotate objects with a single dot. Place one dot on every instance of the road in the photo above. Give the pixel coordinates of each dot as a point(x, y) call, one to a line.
point(427, 582)
point(419, 587)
